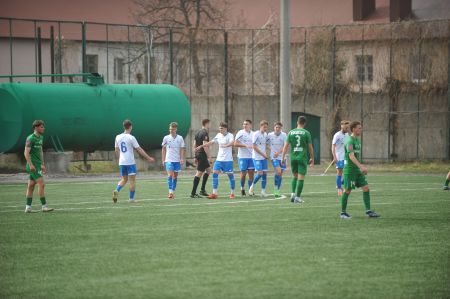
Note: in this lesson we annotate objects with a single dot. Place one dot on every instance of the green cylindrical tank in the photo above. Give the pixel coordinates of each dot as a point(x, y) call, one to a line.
point(88, 116)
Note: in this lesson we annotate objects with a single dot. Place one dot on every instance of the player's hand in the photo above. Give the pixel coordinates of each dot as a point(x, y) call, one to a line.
point(151, 159)
point(276, 154)
point(44, 169)
point(181, 161)
point(211, 161)
point(197, 148)
point(363, 170)
point(32, 168)
point(195, 161)
point(311, 162)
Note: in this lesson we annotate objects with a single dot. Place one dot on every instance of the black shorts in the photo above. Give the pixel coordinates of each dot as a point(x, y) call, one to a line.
point(202, 162)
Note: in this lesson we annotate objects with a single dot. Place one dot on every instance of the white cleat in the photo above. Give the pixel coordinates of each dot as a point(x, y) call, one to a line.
point(298, 200)
point(264, 194)
point(28, 209)
point(46, 209)
point(250, 191)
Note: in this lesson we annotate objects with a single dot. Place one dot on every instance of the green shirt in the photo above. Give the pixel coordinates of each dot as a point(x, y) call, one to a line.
point(352, 145)
point(299, 140)
point(35, 144)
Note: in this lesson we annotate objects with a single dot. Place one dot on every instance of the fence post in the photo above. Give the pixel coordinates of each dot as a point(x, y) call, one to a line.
point(225, 49)
point(128, 54)
point(107, 53)
point(253, 74)
point(52, 52)
point(418, 93)
point(304, 79)
point(39, 45)
point(171, 54)
point(11, 72)
point(59, 51)
point(363, 59)
point(448, 101)
point(333, 69)
point(83, 50)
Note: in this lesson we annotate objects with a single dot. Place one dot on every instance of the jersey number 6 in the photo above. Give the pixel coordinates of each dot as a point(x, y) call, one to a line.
point(123, 147)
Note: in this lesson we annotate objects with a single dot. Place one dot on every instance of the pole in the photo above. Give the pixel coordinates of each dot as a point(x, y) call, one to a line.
point(11, 71)
point(107, 52)
point(171, 54)
point(225, 39)
point(83, 49)
point(52, 52)
point(285, 72)
point(39, 40)
point(59, 52)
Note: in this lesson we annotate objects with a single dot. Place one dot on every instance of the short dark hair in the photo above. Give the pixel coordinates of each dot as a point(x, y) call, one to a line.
point(127, 124)
point(173, 124)
point(249, 121)
point(354, 125)
point(38, 123)
point(277, 123)
point(205, 121)
point(345, 122)
point(223, 125)
point(301, 120)
point(263, 122)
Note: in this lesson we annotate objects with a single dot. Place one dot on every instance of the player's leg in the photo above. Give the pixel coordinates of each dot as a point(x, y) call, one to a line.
point(243, 169)
point(277, 177)
point(205, 180)
point(447, 180)
point(264, 178)
point(215, 179)
point(339, 168)
point(259, 173)
point(41, 189)
point(294, 169)
point(169, 169)
point(29, 195)
point(197, 177)
point(251, 172)
point(302, 169)
point(229, 172)
point(177, 168)
point(361, 182)
point(348, 186)
point(123, 180)
point(132, 186)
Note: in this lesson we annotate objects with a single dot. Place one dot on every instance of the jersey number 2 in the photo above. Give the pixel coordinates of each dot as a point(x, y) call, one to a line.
point(123, 147)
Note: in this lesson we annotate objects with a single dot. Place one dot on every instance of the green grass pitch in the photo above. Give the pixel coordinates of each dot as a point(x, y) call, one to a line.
point(245, 248)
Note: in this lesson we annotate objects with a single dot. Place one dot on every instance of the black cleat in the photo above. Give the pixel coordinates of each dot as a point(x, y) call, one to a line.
point(243, 192)
point(195, 196)
point(203, 193)
point(345, 216)
point(446, 188)
point(372, 214)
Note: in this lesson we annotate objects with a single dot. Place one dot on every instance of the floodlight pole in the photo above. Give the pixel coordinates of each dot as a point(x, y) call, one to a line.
point(285, 71)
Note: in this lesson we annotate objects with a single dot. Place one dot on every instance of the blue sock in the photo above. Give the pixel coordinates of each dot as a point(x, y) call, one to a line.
point(264, 181)
point(118, 188)
point(174, 184)
point(256, 179)
point(339, 181)
point(132, 194)
point(232, 181)
point(277, 179)
point(242, 183)
point(215, 181)
point(169, 182)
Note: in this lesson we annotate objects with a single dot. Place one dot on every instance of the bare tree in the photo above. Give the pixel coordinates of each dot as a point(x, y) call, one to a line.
point(188, 17)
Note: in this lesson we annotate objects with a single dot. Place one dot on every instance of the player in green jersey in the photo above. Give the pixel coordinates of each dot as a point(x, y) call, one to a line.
point(354, 171)
point(447, 180)
point(35, 165)
point(301, 144)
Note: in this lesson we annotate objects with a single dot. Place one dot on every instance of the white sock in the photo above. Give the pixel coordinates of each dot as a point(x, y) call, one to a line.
point(214, 191)
point(232, 192)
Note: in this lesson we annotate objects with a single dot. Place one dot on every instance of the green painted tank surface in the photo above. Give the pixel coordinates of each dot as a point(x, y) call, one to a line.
point(87, 117)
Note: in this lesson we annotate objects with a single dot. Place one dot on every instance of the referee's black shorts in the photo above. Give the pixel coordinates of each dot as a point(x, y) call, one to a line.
point(202, 161)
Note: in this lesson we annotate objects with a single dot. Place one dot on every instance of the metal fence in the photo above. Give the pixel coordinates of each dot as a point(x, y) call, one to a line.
point(394, 78)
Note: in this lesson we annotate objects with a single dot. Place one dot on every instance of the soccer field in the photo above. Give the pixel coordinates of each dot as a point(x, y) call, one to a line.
point(244, 248)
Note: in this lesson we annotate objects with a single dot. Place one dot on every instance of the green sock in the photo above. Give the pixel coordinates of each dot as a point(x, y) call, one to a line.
point(366, 197)
point(344, 200)
point(298, 192)
point(293, 185)
point(29, 201)
point(446, 182)
point(43, 200)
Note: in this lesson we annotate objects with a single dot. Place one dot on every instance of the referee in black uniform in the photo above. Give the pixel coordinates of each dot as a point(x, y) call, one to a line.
point(201, 157)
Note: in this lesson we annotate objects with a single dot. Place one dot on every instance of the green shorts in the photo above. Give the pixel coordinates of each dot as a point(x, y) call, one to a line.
point(354, 180)
point(299, 166)
point(34, 175)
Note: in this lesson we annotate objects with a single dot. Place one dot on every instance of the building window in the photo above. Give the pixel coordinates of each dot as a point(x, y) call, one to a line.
point(364, 67)
point(118, 69)
point(92, 63)
point(420, 68)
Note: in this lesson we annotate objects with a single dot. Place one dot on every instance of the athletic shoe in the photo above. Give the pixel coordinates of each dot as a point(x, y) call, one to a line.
point(203, 193)
point(131, 200)
point(372, 214)
point(340, 192)
point(276, 193)
point(195, 196)
point(264, 194)
point(345, 216)
point(298, 200)
point(171, 196)
point(446, 188)
point(28, 209)
point(250, 191)
point(243, 192)
point(292, 197)
point(232, 196)
point(212, 196)
point(46, 209)
point(115, 196)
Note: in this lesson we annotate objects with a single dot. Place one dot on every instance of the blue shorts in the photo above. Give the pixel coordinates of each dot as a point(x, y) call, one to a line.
point(245, 164)
point(261, 165)
point(340, 164)
point(126, 170)
point(223, 166)
point(172, 166)
point(277, 163)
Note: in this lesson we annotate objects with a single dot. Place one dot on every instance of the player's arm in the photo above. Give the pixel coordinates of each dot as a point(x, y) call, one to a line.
point(43, 169)
point(255, 147)
point(284, 150)
point(204, 145)
point(145, 155)
point(357, 163)
point(27, 157)
point(333, 151)
point(182, 150)
point(163, 155)
point(311, 154)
